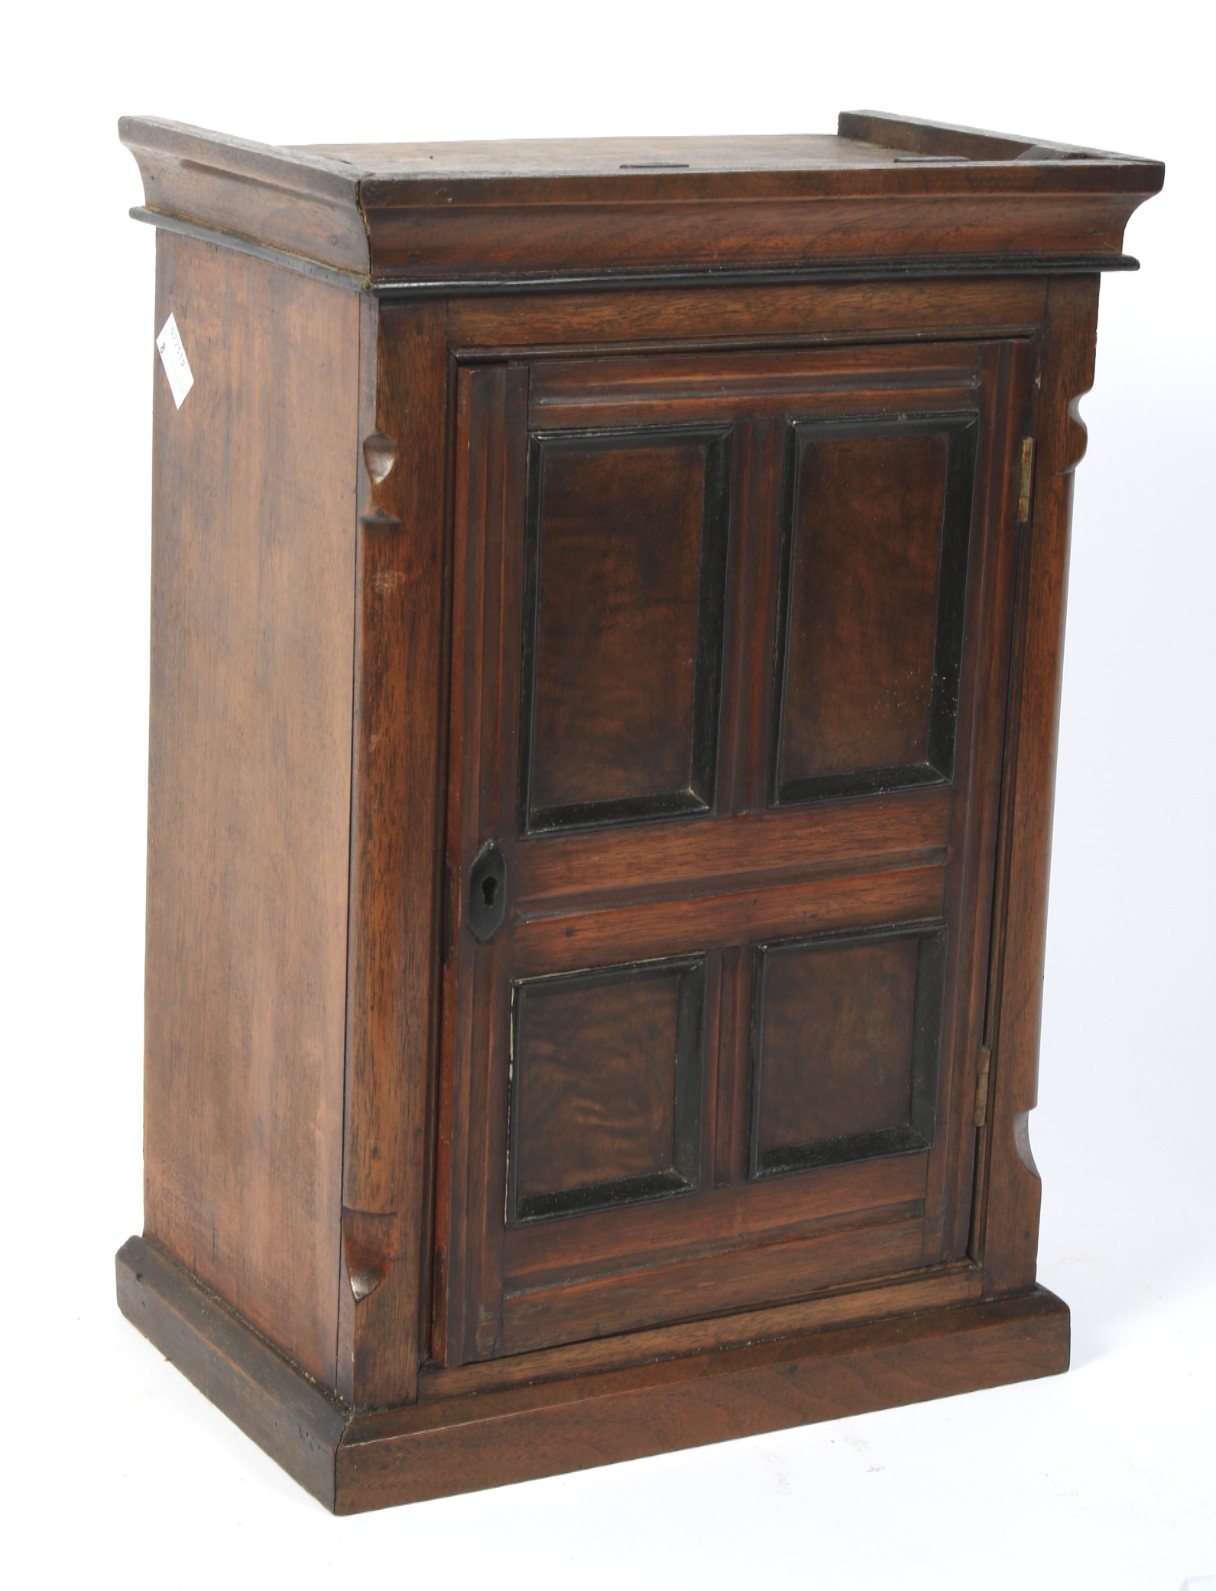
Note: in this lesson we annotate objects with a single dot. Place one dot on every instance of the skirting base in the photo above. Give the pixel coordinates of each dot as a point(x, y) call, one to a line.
point(354, 1461)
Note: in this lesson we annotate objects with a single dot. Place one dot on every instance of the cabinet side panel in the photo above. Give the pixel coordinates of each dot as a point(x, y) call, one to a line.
point(249, 788)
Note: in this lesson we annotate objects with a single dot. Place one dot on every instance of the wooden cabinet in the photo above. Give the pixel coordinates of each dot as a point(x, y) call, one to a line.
point(607, 608)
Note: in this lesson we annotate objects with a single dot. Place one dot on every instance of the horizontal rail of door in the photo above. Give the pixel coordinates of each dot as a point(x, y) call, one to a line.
point(867, 834)
point(751, 385)
point(799, 1205)
point(690, 1288)
point(563, 940)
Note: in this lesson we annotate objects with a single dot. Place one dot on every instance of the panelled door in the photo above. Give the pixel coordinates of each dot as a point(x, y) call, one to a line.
point(730, 645)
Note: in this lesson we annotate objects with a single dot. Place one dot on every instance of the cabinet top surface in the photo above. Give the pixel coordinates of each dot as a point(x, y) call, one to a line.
point(599, 157)
point(347, 204)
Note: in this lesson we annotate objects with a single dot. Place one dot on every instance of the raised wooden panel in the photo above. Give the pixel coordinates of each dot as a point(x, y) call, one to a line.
point(622, 626)
point(606, 1087)
point(873, 584)
point(846, 1032)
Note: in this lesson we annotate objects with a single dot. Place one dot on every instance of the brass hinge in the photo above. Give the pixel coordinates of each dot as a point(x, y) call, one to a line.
point(981, 1085)
point(1025, 476)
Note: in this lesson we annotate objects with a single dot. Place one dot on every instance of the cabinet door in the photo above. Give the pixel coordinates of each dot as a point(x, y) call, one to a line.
point(729, 655)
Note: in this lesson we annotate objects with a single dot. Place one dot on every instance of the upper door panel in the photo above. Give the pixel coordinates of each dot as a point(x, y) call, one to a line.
point(625, 567)
point(873, 578)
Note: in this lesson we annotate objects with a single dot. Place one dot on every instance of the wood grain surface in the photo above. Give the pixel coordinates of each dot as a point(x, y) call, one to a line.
point(249, 789)
point(607, 622)
point(352, 1462)
point(601, 207)
point(915, 556)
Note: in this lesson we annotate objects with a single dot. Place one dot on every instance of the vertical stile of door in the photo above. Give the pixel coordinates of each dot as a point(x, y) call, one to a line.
point(1003, 392)
point(492, 405)
point(479, 416)
point(759, 649)
point(749, 643)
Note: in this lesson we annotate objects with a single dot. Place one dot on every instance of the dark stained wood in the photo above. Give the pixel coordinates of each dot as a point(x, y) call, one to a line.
point(595, 1069)
point(447, 245)
point(907, 829)
point(835, 1198)
point(540, 1310)
point(606, 1090)
point(804, 315)
point(644, 160)
point(750, 630)
point(943, 1287)
point(353, 1462)
point(847, 1034)
point(735, 1039)
point(305, 204)
point(285, 1412)
point(1007, 1212)
point(873, 581)
point(623, 624)
point(673, 888)
point(545, 1430)
point(941, 141)
point(249, 789)
point(605, 207)
point(398, 751)
point(1005, 417)
point(486, 652)
point(748, 385)
point(606, 667)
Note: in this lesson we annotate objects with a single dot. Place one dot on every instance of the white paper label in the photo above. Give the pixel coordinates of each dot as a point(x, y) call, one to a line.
point(173, 357)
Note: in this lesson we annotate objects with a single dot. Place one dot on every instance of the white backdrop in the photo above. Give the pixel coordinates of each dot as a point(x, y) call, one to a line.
point(1103, 1478)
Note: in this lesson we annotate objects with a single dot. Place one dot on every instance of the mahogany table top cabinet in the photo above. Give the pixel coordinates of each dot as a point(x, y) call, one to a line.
point(607, 617)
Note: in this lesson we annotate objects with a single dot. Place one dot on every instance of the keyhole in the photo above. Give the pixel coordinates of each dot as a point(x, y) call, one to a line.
point(487, 894)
